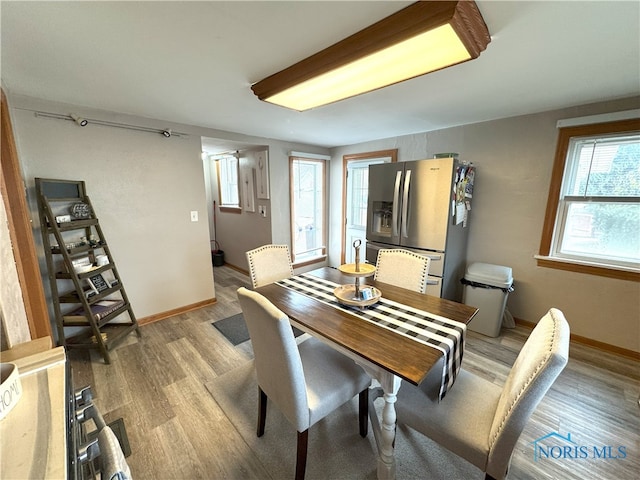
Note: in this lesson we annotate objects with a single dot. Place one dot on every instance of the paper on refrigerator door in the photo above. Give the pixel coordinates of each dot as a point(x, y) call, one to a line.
point(461, 211)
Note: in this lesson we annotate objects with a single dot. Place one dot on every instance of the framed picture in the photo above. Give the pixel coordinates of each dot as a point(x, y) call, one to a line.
point(262, 174)
point(248, 198)
point(98, 283)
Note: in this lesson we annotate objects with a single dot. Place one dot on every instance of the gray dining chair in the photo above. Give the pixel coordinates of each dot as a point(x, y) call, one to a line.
point(268, 264)
point(478, 420)
point(402, 268)
point(306, 381)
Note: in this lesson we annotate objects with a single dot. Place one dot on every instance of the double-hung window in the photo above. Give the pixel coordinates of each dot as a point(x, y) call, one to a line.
point(308, 209)
point(593, 212)
point(227, 170)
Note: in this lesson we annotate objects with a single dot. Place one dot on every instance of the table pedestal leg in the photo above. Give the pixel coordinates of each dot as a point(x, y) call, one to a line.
point(385, 433)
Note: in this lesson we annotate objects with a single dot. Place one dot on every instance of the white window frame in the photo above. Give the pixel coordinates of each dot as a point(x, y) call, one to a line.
point(318, 253)
point(228, 173)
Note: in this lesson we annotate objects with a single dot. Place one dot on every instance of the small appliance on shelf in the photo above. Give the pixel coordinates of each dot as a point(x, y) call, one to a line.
point(353, 294)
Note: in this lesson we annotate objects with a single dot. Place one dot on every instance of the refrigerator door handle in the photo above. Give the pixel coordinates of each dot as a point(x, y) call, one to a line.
point(405, 204)
point(396, 201)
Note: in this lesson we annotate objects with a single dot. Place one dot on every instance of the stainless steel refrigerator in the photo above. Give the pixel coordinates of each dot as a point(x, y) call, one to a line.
point(423, 206)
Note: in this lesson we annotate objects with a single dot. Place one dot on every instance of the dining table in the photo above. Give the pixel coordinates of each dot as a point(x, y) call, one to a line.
point(388, 355)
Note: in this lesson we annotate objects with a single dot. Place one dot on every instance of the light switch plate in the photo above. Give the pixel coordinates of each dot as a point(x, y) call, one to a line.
point(194, 215)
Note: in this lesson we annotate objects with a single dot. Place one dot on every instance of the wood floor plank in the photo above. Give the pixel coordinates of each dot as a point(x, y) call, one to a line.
point(202, 419)
point(191, 360)
point(150, 401)
point(108, 381)
point(150, 459)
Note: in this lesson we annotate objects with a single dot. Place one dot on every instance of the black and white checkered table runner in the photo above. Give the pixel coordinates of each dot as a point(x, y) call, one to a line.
point(438, 332)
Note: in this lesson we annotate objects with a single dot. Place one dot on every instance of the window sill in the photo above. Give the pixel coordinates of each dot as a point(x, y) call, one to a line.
point(230, 209)
point(620, 273)
point(310, 261)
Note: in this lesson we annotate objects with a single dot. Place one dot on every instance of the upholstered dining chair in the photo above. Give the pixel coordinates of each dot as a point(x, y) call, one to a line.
point(306, 381)
point(478, 420)
point(268, 264)
point(402, 268)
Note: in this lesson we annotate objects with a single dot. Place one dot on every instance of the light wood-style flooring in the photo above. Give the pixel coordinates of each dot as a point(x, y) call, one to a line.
point(177, 431)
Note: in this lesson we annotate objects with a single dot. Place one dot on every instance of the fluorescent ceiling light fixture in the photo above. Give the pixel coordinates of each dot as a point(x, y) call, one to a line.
point(421, 38)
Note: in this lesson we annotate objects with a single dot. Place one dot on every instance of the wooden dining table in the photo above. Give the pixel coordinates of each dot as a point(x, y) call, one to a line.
point(386, 355)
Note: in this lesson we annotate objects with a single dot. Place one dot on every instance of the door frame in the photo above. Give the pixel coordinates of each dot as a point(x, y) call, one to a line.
point(20, 231)
point(357, 157)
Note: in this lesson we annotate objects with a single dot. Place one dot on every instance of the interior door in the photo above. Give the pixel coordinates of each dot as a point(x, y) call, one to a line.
point(355, 190)
point(356, 202)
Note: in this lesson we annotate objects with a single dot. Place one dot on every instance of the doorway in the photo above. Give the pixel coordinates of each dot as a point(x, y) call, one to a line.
point(238, 197)
point(355, 194)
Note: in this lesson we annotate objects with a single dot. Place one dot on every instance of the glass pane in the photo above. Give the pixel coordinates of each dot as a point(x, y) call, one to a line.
point(308, 206)
point(360, 191)
point(229, 181)
point(605, 167)
point(603, 230)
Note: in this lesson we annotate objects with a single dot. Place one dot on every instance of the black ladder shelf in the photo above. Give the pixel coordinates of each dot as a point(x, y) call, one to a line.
point(91, 307)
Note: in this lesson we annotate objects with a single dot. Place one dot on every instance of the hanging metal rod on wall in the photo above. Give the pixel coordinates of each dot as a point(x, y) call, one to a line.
point(167, 132)
point(219, 155)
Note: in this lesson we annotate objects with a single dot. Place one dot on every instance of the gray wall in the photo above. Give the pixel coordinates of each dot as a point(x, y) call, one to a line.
point(514, 158)
point(142, 186)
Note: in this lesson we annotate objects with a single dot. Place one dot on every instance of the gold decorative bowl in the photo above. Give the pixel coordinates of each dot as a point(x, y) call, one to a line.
point(10, 388)
point(365, 269)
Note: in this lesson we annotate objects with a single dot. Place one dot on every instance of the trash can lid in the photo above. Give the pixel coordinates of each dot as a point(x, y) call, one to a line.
point(494, 275)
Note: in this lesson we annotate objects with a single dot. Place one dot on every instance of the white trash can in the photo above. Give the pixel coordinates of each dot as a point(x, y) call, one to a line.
point(487, 287)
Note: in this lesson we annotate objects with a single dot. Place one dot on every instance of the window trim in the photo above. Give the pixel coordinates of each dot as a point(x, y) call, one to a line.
point(544, 258)
point(323, 255)
point(226, 207)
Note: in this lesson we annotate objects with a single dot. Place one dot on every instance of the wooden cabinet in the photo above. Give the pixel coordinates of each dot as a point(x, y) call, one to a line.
point(91, 307)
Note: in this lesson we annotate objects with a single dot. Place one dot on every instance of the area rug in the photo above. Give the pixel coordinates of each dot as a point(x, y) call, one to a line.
point(235, 329)
point(335, 450)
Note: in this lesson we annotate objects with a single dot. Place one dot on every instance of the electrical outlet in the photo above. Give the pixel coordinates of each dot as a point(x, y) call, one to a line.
point(194, 215)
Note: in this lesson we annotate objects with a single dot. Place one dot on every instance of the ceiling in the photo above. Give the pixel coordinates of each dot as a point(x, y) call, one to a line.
point(194, 62)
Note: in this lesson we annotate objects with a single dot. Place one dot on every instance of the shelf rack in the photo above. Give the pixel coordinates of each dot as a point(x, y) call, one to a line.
point(90, 304)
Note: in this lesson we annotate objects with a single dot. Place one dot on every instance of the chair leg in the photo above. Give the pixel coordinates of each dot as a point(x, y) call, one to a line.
point(301, 460)
point(262, 411)
point(363, 408)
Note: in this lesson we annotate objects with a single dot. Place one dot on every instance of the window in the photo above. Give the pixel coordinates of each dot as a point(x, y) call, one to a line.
point(227, 169)
point(359, 178)
point(592, 221)
point(308, 207)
